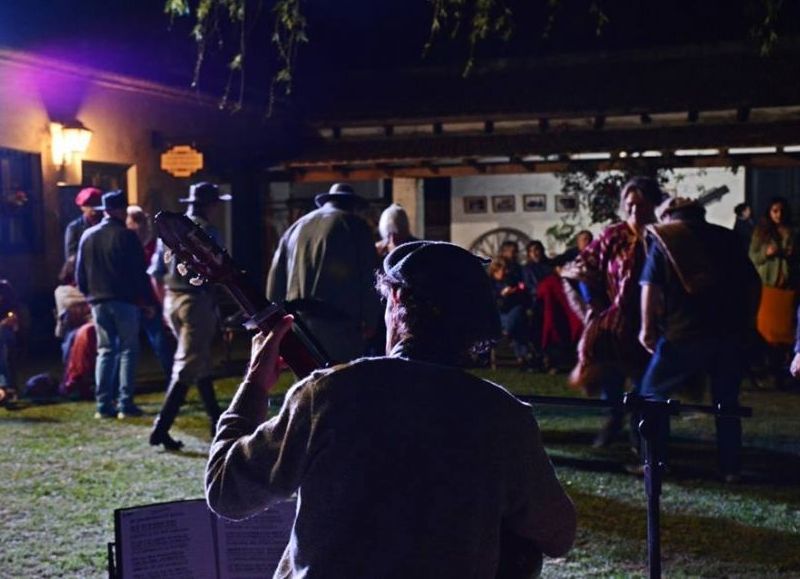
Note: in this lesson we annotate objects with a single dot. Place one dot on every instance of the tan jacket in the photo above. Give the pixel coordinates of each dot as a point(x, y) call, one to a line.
point(404, 469)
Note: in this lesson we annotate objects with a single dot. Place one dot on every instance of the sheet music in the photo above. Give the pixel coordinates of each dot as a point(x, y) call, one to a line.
point(252, 549)
point(172, 540)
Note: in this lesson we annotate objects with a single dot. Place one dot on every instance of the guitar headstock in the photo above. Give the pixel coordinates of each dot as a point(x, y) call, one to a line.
point(194, 250)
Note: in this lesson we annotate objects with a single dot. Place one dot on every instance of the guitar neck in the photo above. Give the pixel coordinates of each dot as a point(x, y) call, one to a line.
point(299, 348)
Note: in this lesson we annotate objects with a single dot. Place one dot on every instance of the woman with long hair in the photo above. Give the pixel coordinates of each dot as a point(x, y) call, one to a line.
point(772, 251)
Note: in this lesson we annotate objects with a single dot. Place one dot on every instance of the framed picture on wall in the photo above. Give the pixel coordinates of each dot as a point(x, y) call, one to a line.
point(504, 204)
point(475, 204)
point(534, 202)
point(566, 203)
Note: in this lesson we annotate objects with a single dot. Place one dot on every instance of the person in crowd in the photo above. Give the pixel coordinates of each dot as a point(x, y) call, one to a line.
point(562, 314)
point(9, 326)
point(700, 294)
point(324, 270)
point(511, 299)
point(78, 381)
point(111, 273)
point(772, 251)
point(78, 335)
point(582, 240)
point(192, 316)
point(394, 229)
point(410, 465)
point(794, 367)
point(608, 270)
point(72, 307)
point(509, 251)
point(537, 267)
point(744, 225)
point(87, 199)
point(138, 221)
point(163, 344)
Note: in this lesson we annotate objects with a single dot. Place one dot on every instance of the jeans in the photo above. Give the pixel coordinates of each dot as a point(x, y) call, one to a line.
point(515, 326)
point(117, 325)
point(722, 358)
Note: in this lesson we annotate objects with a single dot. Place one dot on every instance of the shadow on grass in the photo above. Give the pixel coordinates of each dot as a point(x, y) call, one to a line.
point(703, 537)
point(577, 436)
point(23, 419)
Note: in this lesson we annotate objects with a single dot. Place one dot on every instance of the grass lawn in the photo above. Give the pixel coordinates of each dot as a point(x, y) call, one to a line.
point(63, 473)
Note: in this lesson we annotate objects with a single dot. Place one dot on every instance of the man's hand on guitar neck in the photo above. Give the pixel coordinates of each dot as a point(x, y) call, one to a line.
point(264, 368)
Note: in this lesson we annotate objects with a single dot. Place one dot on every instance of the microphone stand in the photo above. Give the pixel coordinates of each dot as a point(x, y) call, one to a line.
point(654, 420)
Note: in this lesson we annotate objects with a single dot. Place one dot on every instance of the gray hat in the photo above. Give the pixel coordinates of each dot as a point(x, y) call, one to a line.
point(339, 191)
point(451, 278)
point(113, 200)
point(204, 193)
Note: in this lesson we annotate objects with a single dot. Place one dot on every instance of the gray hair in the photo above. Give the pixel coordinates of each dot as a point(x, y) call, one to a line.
point(394, 220)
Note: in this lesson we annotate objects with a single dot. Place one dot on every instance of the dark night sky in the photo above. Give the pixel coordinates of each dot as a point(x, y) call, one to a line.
point(136, 37)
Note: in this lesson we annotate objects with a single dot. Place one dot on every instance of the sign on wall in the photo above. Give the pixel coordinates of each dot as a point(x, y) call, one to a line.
point(182, 161)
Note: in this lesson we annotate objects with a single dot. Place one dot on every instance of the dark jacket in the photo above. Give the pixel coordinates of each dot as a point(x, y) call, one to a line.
point(72, 236)
point(111, 265)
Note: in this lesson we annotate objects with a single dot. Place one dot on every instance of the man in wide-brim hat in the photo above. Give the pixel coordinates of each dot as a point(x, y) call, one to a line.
point(323, 269)
point(191, 314)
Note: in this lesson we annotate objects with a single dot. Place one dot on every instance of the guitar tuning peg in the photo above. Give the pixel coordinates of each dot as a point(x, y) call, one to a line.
point(197, 280)
point(168, 255)
point(182, 269)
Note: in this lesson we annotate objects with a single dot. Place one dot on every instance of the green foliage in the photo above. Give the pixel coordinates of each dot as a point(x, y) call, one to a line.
point(218, 20)
point(474, 20)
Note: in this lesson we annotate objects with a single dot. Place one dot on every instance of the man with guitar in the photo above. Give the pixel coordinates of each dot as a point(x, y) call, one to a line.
point(405, 465)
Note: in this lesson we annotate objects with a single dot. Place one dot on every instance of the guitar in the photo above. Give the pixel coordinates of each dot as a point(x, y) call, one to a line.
point(714, 194)
point(199, 254)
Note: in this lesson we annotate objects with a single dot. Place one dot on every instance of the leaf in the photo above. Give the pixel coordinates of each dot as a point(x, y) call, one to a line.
point(177, 7)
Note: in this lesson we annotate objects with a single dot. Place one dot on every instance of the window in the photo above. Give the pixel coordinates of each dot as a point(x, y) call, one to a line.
point(20, 202)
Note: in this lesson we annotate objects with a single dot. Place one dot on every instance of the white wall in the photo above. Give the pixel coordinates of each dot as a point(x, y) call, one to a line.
point(465, 227)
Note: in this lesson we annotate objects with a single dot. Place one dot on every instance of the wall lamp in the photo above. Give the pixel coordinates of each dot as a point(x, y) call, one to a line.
point(70, 141)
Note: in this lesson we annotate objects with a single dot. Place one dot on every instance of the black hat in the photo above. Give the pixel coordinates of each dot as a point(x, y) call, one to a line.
point(204, 193)
point(451, 278)
point(113, 200)
point(339, 191)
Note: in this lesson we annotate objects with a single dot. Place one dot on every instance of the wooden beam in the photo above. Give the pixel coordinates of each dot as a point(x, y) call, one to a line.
point(423, 170)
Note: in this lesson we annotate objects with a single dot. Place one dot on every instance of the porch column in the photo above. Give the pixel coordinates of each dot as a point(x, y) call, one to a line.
point(408, 193)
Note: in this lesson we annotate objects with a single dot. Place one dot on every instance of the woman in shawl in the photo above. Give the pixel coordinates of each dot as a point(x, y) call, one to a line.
point(608, 270)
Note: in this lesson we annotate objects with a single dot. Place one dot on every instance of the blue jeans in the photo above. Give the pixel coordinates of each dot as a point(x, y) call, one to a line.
point(117, 325)
point(722, 359)
point(515, 326)
point(162, 344)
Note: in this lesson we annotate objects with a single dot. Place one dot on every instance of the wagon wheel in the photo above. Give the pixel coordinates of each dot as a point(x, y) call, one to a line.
point(488, 244)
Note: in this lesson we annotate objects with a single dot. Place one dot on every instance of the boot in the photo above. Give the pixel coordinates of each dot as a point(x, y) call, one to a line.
point(206, 388)
point(176, 394)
